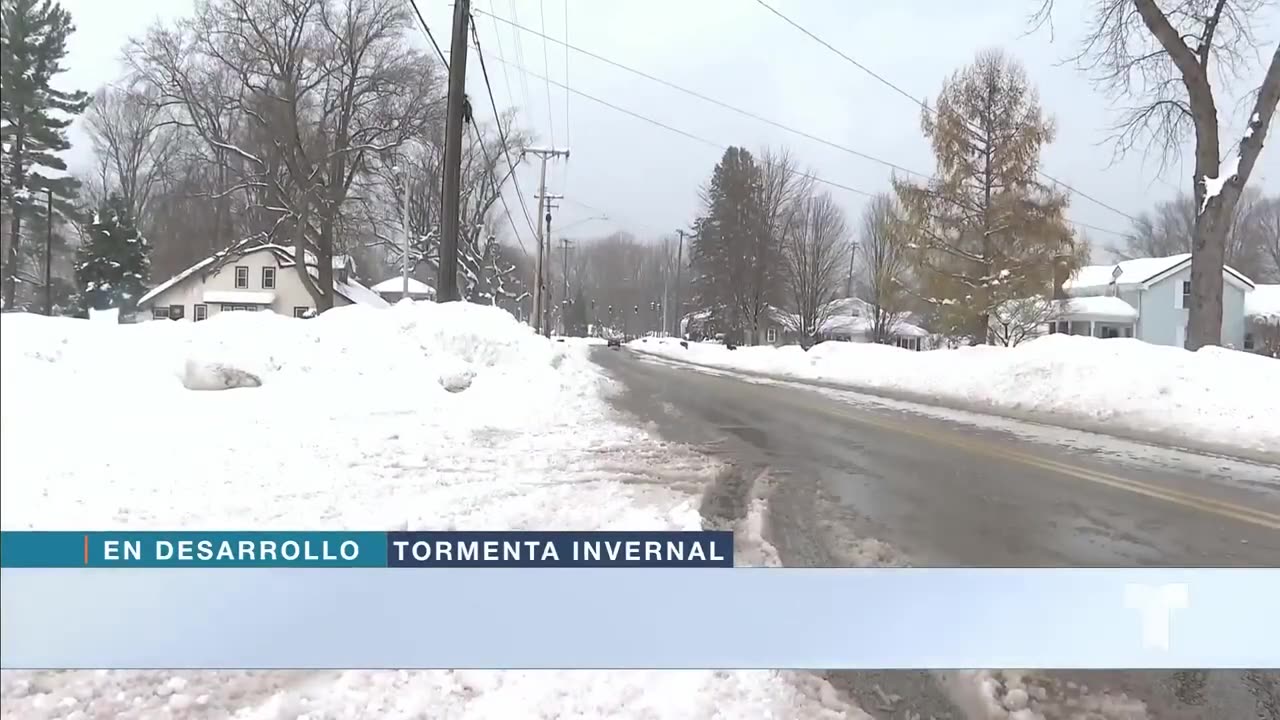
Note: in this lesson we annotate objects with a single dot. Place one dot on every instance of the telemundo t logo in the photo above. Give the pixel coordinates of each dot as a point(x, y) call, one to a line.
point(1155, 605)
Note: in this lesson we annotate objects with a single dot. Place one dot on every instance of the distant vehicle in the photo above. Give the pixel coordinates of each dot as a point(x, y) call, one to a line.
point(615, 342)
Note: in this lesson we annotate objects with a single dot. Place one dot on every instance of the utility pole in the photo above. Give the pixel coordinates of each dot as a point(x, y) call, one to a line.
point(546, 302)
point(853, 252)
point(539, 288)
point(565, 246)
point(679, 265)
point(447, 284)
point(48, 252)
point(404, 228)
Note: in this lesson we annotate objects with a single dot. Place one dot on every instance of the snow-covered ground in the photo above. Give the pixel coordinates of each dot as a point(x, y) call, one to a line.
point(1216, 398)
point(420, 416)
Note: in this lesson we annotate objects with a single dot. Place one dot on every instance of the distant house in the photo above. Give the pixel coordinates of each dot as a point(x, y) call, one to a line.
point(848, 320)
point(392, 289)
point(253, 279)
point(1145, 298)
point(1262, 320)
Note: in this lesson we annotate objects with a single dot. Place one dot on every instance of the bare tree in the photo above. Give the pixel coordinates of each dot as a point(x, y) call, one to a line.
point(1017, 320)
point(814, 249)
point(132, 142)
point(1163, 54)
point(1170, 227)
point(885, 265)
point(326, 87)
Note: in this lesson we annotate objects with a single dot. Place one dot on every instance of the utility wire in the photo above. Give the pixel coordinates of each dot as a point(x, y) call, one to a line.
point(566, 74)
point(714, 101)
point(669, 128)
point(426, 28)
point(502, 135)
point(746, 113)
point(926, 107)
point(546, 68)
point(519, 48)
point(506, 76)
point(430, 37)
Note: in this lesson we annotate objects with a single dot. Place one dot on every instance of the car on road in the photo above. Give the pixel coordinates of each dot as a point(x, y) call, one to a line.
point(615, 342)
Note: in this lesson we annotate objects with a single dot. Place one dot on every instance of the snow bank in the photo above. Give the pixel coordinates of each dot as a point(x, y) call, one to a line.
point(1214, 398)
point(361, 422)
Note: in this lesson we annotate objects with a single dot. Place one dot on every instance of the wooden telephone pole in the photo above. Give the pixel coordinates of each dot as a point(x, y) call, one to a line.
point(540, 304)
point(447, 282)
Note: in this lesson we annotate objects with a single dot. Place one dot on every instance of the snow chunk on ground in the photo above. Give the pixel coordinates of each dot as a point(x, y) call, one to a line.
point(350, 429)
point(200, 375)
point(1212, 396)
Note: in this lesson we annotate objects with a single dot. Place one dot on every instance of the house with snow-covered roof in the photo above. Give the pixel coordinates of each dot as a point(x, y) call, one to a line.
point(848, 319)
point(259, 278)
point(394, 289)
point(1144, 298)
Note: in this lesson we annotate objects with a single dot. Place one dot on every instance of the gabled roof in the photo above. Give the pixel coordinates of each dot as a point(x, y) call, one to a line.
point(396, 285)
point(350, 289)
point(1136, 273)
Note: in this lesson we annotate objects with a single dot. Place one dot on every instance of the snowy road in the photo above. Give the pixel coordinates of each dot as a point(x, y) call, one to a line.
point(865, 481)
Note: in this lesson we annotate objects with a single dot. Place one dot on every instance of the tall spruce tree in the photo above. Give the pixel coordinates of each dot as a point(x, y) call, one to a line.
point(734, 256)
point(986, 231)
point(33, 120)
point(113, 267)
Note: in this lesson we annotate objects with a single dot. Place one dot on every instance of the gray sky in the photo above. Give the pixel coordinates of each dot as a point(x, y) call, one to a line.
point(646, 178)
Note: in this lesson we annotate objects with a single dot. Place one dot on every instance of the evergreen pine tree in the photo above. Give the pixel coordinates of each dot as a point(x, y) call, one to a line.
point(33, 120)
point(113, 267)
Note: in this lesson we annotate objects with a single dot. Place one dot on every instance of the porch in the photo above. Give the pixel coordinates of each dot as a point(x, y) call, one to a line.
point(1100, 317)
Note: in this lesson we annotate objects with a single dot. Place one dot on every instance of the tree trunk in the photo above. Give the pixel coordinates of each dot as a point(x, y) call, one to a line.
point(15, 225)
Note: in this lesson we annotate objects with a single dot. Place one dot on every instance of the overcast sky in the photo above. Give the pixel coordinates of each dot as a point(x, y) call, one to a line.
point(646, 178)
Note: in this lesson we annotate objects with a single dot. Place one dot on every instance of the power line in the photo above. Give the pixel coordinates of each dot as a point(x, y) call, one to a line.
point(430, 37)
point(426, 28)
point(502, 135)
point(506, 76)
point(924, 105)
point(678, 131)
point(546, 68)
point(714, 101)
point(519, 48)
point(566, 74)
point(746, 113)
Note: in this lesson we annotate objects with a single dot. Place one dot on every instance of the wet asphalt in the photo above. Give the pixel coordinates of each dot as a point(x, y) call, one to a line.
point(856, 481)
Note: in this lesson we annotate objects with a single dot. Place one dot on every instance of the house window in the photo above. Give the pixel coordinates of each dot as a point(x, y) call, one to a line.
point(201, 312)
point(301, 311)
point(177, 312)
point(771, 335)
point(268, 278)
point(160, 313)
point(1186, 294)
point(242, 277)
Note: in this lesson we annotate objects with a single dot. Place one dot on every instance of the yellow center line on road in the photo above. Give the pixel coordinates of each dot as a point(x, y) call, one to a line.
point(1178, 497)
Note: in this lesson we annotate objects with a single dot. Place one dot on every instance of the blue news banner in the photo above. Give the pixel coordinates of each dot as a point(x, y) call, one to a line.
point(190, 600)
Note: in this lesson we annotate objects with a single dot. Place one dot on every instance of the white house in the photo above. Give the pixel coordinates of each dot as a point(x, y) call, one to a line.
point(1145, 298)
point(392, 289)
point(257, 278)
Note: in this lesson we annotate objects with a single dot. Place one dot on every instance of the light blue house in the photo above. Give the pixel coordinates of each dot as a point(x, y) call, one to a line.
point(1146, 298)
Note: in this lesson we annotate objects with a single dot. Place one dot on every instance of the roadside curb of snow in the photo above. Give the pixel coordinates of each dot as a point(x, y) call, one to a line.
point(1112, 428)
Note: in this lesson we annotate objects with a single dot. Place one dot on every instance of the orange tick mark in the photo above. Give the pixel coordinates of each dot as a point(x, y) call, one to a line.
point(86, 549)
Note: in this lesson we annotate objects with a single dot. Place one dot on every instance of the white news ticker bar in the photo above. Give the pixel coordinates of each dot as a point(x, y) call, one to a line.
point(651, 618)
